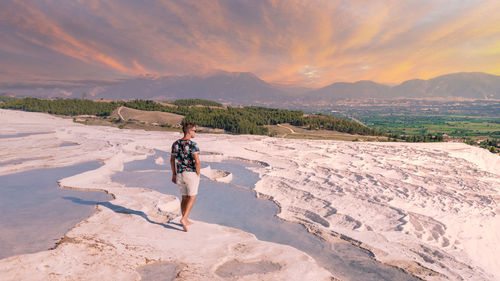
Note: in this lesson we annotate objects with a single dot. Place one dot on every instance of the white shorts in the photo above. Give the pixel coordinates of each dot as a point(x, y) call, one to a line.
point(188, 183)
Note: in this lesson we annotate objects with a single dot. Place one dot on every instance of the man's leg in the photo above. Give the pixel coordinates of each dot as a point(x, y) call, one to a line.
point(183, 207)
point(189, 205)
point(183, 204)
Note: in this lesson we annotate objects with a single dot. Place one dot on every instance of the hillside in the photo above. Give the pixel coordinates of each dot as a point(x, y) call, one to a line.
point(235, 120)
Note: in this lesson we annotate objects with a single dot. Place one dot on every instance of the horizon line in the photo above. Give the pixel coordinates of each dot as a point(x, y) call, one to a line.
point(71, 83)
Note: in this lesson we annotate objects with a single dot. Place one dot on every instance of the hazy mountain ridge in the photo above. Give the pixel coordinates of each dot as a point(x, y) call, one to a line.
point(223, 86)
point(475, 85)
point(247, 88)
point(343, 90)
point(467, 85)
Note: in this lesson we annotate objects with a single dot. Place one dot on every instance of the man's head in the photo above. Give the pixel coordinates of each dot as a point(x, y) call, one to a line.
point(188, 127)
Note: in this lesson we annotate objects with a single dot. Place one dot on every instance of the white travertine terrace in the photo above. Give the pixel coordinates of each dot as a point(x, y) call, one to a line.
point(429, 208)
point(129, 231)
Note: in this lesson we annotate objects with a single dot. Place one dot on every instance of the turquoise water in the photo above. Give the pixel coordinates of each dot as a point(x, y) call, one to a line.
point(36, 212)
point(226, 204)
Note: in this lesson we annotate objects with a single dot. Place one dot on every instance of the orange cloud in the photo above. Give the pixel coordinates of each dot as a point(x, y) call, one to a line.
point(305, 43)
point(60, 41)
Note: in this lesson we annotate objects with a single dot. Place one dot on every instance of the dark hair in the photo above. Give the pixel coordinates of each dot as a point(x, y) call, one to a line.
point(186, 127)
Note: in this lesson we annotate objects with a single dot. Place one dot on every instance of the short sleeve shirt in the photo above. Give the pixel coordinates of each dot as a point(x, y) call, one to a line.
point(183, 152)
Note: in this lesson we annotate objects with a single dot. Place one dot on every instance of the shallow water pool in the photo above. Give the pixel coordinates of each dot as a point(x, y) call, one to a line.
point(20, 135)
point(36, 212)
point(226, 204)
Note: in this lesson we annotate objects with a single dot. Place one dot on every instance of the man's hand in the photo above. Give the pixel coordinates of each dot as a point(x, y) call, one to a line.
point(174, 178)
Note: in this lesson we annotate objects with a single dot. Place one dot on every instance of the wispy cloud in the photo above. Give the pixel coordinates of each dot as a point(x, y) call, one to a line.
point(314, 42)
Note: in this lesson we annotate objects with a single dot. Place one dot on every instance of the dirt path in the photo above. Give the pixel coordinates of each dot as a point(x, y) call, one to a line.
point(357, 121)
point(291, 130)
point(119, 114)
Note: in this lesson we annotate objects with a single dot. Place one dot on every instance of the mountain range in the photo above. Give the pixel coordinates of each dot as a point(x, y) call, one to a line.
point(247, 89)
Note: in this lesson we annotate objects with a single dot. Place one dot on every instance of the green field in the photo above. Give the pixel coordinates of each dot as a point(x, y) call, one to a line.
point(456, 126)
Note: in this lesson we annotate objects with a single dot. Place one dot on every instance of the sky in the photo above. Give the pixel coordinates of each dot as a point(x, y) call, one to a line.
point(310, 43)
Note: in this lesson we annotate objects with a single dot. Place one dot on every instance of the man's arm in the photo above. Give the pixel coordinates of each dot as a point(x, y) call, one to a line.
point(197, 163)
point(172, 166)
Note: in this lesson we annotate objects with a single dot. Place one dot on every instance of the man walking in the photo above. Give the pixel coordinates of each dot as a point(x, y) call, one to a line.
point(185, 164)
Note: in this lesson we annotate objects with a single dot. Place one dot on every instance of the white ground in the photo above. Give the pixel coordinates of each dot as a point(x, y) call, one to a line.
point(429, 208)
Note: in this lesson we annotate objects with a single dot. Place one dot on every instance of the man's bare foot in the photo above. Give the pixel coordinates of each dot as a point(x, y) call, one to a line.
point(189, 222)
point(184, 223)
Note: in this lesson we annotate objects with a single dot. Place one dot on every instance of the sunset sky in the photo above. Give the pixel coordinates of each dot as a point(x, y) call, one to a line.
point(301, 43)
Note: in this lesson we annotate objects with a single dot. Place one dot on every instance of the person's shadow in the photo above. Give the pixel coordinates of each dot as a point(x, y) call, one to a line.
point(122, 210)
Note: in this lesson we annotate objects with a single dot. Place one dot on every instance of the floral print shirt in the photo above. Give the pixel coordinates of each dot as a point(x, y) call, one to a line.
point(183, 151)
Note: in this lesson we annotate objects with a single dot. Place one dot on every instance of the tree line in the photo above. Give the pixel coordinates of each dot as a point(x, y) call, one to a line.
point(5, 98)
point(60, 106)
point(490, 144)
